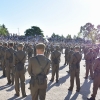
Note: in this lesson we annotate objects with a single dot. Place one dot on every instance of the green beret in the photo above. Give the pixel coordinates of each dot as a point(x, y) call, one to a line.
point(57, 47)
point(1, 43)
point(20, 45)
point(77, 47)
point(40, 46)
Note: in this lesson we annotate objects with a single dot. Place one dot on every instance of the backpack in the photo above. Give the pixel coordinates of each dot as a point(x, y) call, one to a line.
point(41, 77)
point(20, 65)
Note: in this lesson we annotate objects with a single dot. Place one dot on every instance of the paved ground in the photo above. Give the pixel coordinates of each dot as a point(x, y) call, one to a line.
point(54, 91)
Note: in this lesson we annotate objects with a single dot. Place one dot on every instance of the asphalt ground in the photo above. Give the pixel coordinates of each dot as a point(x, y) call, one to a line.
point(55, 91)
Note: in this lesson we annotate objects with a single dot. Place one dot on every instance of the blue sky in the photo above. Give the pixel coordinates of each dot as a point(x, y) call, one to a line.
point(58, 16)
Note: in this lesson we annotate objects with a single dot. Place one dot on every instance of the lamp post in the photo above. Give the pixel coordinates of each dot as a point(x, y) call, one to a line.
point(18, 31)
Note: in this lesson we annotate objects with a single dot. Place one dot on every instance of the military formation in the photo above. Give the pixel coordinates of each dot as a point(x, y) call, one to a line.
point(42, 56)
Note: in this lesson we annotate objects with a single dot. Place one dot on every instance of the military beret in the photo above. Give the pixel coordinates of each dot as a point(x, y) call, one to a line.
point(0, 43)
point(20, 45)
point(57, 47)
point(77, 47)
point(40, 46)
point(30, 44)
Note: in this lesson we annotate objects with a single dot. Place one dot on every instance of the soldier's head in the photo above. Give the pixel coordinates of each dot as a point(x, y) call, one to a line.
point(77, 48)
point(20, 46)
point(0, 43)
point(71, 48)
point(5, 44)
point(90, 50)
point(40, 48)
point(30, 45)
point(11, 44)
point(57, 47)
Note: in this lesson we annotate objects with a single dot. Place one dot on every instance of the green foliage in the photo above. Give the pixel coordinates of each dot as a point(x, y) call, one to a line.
point(88, 31)
point(74, 37)
point(3, 30)
point(68, 36)
point(34, 30)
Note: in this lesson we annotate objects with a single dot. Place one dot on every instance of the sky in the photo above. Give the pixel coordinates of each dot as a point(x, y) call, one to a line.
point(61, 17)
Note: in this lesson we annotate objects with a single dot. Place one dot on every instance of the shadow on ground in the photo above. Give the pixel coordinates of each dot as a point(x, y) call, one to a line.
point(11, 88)
point(61, 81)
point(85, 89)
point(68, 96)
point(60, 68)
point(4, 87)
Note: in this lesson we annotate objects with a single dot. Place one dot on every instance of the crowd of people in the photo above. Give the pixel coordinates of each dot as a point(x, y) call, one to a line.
point(15, 50)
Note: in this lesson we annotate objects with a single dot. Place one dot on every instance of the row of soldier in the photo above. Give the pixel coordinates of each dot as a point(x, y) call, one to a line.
point(10, 56)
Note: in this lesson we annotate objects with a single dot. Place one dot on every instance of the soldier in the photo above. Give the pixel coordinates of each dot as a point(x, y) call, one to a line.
point(29, 51)
point(52, 48)
point(15, 46)
point(38, 69)
point(4, 48)
point(96, 82)
point(70, 53)
point(34, 49)
point(66, 56)
point(0, 53)
point(75, 69)
point(9, 64)
point(89, 57)
point(47, 52)
point(55, 58)
point(18, 62)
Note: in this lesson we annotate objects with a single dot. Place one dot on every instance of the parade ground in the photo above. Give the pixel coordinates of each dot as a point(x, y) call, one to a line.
point(55, 91)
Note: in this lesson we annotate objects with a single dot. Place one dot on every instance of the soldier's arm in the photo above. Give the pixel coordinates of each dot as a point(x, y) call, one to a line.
point(71, 60)
point(48, 67)
point(25, 57)
point(5, 55)
point(51, 56)
point(60, 57)
point(95, 64)
point(80, 57)
point(30, 68)
point(13, 59)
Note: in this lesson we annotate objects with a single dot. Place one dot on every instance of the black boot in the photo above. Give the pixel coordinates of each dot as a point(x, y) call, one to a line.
point(91, 98)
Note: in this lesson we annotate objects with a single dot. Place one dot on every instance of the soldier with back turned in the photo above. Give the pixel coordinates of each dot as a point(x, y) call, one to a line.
point(66, 55)
point(9, 64)
point(38, 69)
point(1, 54)
point(70, 53)
point(89, 57)
point(29, 51)
point(75, 69)
point(55, 58)
point(18, 63)
point(3, 60)
point(96, 81)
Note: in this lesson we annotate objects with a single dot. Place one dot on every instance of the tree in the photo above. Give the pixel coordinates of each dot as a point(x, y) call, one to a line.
point(53, 35)
point(68, 36)
point(34, 30)
point(3, 30)
point(74, 37)
point(88, 31)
